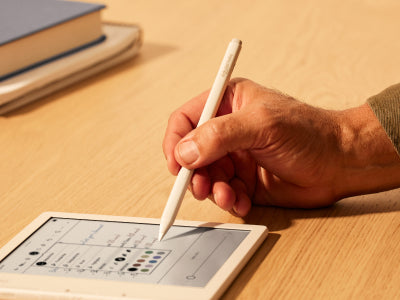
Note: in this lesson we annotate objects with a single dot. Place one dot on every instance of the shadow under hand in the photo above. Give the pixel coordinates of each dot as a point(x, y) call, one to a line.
point(251, 267)
point(276, 218)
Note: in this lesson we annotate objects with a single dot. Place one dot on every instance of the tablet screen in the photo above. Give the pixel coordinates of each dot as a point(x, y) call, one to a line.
point(124, 251)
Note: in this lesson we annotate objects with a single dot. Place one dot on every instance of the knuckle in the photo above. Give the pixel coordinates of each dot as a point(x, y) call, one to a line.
point(173, 116)
point(224, 131)
point(214, 131)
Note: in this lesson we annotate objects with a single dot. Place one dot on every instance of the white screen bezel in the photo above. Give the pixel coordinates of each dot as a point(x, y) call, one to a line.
point(24, 285)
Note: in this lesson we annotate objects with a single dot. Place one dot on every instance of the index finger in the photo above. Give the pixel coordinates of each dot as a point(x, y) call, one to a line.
point(185, 119)
point(180, 123)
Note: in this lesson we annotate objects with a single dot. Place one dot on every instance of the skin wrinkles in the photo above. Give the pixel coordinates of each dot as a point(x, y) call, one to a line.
point(267, 148)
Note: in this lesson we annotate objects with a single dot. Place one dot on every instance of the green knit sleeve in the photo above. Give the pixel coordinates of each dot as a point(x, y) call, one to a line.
point(386, 106)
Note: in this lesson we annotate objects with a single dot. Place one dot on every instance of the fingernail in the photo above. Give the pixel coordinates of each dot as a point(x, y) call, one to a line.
point(235, 209)
point(189, 152)
point(215, 198)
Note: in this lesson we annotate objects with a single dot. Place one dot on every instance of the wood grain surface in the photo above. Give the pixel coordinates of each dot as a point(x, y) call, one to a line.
point(95, 147)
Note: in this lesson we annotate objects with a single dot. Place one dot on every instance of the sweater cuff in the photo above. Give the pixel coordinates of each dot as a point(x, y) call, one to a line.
point(386, 106)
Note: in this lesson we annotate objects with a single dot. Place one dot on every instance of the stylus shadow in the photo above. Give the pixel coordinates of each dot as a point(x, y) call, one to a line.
point(237, 286)
point(204, 228)
point(249, 269)
point(187, 233)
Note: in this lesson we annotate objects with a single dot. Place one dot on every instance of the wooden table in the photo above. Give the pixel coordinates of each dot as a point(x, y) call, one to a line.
point(96, 147)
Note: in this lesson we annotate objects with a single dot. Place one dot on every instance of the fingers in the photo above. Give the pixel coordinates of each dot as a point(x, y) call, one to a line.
point(215, 173)
point(185, 119)
point(216, 138)
point(200, 184)
point(242, 204)
point(219, 183)
point(232, 197)
point(181, 122)
point(204, 179)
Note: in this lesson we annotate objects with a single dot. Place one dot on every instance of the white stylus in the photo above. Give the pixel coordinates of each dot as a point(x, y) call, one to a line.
point(209, 111)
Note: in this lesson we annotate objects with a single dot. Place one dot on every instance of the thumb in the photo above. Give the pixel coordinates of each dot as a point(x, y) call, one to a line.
point(216, 138)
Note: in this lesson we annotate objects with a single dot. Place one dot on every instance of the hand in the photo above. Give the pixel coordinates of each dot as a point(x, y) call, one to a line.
point(267, 148)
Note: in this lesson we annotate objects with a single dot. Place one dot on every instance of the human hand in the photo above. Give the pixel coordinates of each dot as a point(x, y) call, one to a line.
point(267, 148)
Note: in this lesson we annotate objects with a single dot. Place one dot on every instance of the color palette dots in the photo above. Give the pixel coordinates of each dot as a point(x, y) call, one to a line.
point(146, 261)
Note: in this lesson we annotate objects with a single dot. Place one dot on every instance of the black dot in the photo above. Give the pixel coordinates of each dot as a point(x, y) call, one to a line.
point(120, 259)
point(132, 269)
point(33, 253)
point(41, 263)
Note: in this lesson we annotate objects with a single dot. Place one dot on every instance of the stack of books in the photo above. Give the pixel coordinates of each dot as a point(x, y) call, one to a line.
point(46, 45)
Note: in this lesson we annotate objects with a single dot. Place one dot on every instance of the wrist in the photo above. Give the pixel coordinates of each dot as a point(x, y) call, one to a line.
point(370, 162)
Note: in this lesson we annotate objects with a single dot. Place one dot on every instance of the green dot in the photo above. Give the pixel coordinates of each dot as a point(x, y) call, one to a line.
point(149, 252)
point(144, 270)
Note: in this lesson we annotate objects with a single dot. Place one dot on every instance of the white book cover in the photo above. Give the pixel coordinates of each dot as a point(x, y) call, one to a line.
point(122, 42)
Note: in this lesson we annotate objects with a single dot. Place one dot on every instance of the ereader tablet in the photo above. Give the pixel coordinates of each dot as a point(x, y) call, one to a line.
point(81, 256)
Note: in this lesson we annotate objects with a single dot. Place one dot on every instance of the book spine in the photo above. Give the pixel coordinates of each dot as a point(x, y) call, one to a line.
point(53, 58)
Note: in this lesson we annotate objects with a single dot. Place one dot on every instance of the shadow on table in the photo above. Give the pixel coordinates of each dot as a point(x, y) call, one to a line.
point(276, 218)
point(148, 52)
point(251, 267)
point(281, 218)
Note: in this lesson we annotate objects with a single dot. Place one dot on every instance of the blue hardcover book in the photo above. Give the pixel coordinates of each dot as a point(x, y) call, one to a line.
point(34, 32)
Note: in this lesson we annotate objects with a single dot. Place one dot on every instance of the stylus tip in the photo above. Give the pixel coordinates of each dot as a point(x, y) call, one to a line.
point(160, 236)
